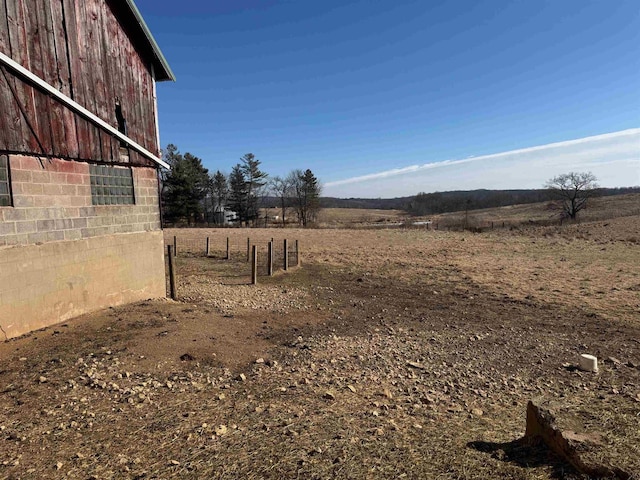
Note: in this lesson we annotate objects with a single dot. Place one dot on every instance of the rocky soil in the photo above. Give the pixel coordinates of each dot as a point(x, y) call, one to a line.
point(399, 361)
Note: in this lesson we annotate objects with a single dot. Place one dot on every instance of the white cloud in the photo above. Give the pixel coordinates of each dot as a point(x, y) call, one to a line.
point(613, 157)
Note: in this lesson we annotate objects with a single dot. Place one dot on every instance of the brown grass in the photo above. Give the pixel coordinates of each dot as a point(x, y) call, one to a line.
point(442, 336)
point(601, 208)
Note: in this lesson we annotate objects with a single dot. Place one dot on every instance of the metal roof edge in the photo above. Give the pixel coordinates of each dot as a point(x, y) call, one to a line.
point(152, 42)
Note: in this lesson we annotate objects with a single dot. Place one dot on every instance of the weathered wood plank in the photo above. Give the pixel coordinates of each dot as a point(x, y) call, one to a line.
point(136, 93)
point(49, 73)
point(84, 50)
point(95, 71)
point(145, 99)
point(84, 130)
point(130, 102)
point(121, 72)
point(34, 47)
point(113, 35)
point(110, 70)
point(83, 78)
point(149, 114)
point(64, 75)
point(98, 61)
point(10, 122)
point(131, 72)
point(18, 40)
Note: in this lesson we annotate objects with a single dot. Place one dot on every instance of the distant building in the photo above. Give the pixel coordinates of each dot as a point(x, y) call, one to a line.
point(79, 212)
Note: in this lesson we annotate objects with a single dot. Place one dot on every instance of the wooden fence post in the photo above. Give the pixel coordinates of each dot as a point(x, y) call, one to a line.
point(227, 258)
point(254, 265)
point(286, 256)
point(270, 259)
point(175, 246)
point(491, 225)
point(248, 249)
point(208, 251)
point(297, 253)
point(172, 273)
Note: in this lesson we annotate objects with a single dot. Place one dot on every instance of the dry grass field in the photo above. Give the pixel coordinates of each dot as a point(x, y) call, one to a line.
point(356, 217)
point(600, 208)
point(345, 217)
point(390, 353)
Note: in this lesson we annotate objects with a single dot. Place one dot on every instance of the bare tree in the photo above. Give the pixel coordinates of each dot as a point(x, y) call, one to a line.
point(307, 195)
point(282, 188)
point(573, 189)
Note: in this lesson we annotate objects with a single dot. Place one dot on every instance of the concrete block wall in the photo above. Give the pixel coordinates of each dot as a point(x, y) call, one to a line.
point(61, 256)
point(52, 202)
point(47, 284)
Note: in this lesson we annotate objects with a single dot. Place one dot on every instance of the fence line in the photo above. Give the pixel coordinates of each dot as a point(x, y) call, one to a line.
point(256, 258)
point(234, 247)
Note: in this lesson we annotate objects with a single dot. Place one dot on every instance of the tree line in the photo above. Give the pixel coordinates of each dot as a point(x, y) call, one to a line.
point(191, 195)
point(455, 201)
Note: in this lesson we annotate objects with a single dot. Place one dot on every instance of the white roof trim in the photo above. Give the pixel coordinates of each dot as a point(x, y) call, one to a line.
point(79, 108)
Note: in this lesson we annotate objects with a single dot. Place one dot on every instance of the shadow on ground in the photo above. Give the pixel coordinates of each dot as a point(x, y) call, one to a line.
point(527, 455)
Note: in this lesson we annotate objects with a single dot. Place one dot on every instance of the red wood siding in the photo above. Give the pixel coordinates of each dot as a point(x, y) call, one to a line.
point(82, 48)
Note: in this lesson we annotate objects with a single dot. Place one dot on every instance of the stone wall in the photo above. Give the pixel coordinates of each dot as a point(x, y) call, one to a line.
point(52, 202)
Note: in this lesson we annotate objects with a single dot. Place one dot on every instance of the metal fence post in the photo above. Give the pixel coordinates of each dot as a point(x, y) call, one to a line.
point(227, 249)
point(172, 273)
point(286, 256)
point(270, 259)
point(248, 249)
point(175, 246)
point(208, 251)
point(254, 265)
point(297, 253)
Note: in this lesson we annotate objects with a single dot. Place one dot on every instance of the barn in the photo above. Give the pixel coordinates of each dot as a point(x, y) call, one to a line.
point(80, 225)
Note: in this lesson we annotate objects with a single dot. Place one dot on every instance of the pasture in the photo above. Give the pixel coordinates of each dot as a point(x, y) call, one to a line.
point(390, 353)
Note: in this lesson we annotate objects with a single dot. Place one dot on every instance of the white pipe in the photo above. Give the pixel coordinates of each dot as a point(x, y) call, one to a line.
point(79, 108)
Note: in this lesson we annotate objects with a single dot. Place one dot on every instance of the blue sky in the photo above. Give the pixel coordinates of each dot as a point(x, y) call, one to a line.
point(350, 89)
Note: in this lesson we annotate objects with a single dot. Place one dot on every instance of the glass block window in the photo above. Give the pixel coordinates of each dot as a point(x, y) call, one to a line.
point(111, 185)
point(5, 192)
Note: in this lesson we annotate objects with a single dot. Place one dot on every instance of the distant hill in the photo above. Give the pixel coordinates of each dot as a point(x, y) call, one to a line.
point(443, 202)
point(364, 203)
point(368, 203)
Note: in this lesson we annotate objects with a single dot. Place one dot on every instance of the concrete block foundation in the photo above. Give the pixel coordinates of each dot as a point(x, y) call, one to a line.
point(45, 284)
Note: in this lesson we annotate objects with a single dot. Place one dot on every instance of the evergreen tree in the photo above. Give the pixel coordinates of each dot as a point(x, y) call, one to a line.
point(307, 190)
point(255, 180)
point(238, 193)
point(184, 187)
point(219, 194)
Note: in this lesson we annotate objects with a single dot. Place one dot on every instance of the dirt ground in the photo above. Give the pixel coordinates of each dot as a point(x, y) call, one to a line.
point(387, 354)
